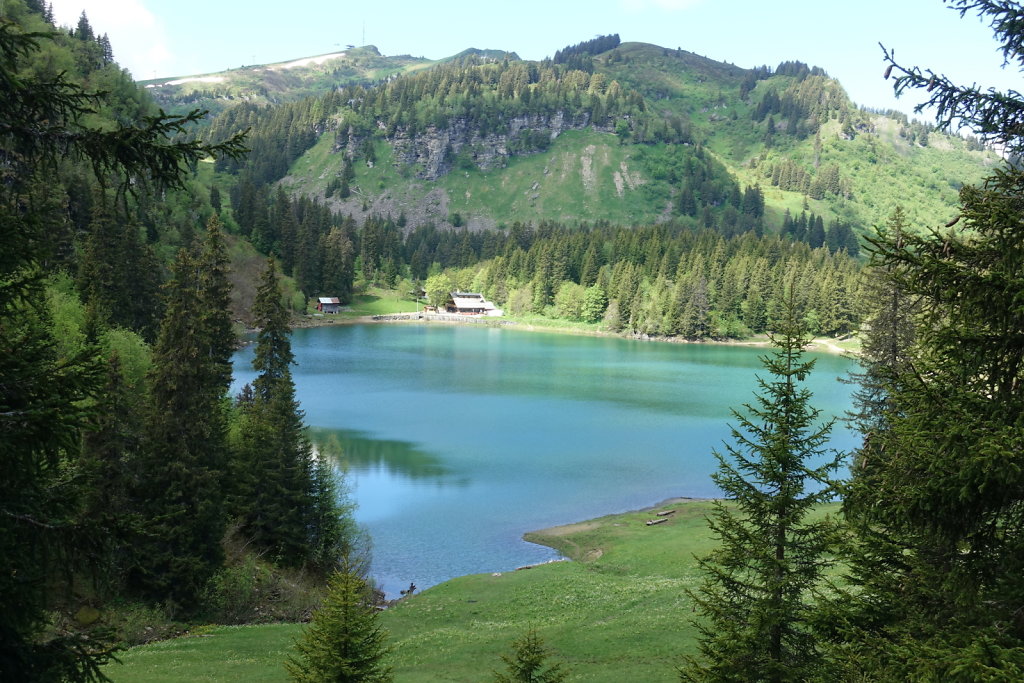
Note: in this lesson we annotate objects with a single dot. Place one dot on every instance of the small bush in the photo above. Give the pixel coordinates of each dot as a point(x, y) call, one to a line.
point(252, 592)
point(138, 624)
point(528, 663)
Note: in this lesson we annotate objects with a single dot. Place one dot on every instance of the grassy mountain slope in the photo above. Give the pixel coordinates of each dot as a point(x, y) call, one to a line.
point(884, 168)
point(591, 174)
point(482, 139)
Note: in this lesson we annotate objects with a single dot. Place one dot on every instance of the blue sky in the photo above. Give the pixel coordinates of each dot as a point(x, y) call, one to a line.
point(157, 38)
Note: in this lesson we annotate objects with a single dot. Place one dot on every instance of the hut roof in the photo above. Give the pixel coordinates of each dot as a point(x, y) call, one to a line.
point(471, 301)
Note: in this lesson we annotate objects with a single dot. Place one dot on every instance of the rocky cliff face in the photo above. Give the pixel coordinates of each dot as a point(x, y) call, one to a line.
point(437, 151)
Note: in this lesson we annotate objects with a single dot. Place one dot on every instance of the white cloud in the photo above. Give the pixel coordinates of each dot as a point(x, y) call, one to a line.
point(668, 5)
point(136, 35)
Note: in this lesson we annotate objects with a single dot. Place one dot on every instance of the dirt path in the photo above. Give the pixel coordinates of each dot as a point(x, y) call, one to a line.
point(830, 346)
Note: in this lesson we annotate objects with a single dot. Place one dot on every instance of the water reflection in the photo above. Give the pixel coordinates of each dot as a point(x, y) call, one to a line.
point(478, 362)
point(359, 451)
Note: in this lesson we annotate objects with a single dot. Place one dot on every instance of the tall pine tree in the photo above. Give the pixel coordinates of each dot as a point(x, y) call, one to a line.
point(181, 488)
point(273, 461)
point(755, 600)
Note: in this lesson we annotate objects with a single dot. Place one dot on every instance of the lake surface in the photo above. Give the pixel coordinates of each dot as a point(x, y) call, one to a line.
point(458, 439)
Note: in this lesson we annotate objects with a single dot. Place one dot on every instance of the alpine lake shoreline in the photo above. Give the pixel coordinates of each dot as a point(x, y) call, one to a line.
point(614, 608)
point(359, 315)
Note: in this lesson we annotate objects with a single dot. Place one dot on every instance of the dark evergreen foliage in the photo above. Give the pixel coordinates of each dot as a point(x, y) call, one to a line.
point(798, 70)
point(84, 30)
point(213, 296)
point(578, 56)
point(316, 246)
point(937, 493)
point(816, 184)
point(181, 485)
point(118, 274)
point(108, 469)
point(42, 410)
point(46, 399)
point(939, 481)
point(275, 490)
point(887, 341)
point(108, 51)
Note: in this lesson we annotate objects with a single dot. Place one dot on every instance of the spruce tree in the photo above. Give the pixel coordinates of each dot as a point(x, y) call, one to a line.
point(938, 491)
point(338, 265)
point(43, 408)
point(106, 468)
point(755, 600)
point(887, 339)
point(84, 30)
point(940, 485)
point(273, 461)
point(344, 643)
point(941, 481)
point(333, 533)
point(213, 301)
point(181, 486)
point(118, 274)
point(181, 482)
point(528, 663)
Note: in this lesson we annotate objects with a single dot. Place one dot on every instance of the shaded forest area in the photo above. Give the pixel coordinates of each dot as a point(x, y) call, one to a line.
point(135, 492)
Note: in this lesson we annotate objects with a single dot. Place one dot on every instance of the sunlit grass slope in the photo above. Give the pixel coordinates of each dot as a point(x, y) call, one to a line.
point(618, 613)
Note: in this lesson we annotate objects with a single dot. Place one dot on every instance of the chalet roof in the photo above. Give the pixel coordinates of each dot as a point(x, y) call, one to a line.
point(329, 300)
point(476, 301)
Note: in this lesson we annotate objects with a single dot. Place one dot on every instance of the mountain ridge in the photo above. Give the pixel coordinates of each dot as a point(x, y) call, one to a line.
point(790, 131)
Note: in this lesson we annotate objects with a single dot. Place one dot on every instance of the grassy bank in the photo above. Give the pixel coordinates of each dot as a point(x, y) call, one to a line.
point(619, 612)
point(217, 653)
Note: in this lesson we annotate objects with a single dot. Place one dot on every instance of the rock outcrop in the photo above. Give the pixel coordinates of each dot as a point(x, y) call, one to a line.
point(437, 151)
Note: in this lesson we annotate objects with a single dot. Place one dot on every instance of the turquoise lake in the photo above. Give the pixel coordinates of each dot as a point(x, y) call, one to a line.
point(458, 439)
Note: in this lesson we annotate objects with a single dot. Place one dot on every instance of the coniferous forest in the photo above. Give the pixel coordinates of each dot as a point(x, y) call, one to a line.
point(119, 440)
point(133, 485)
